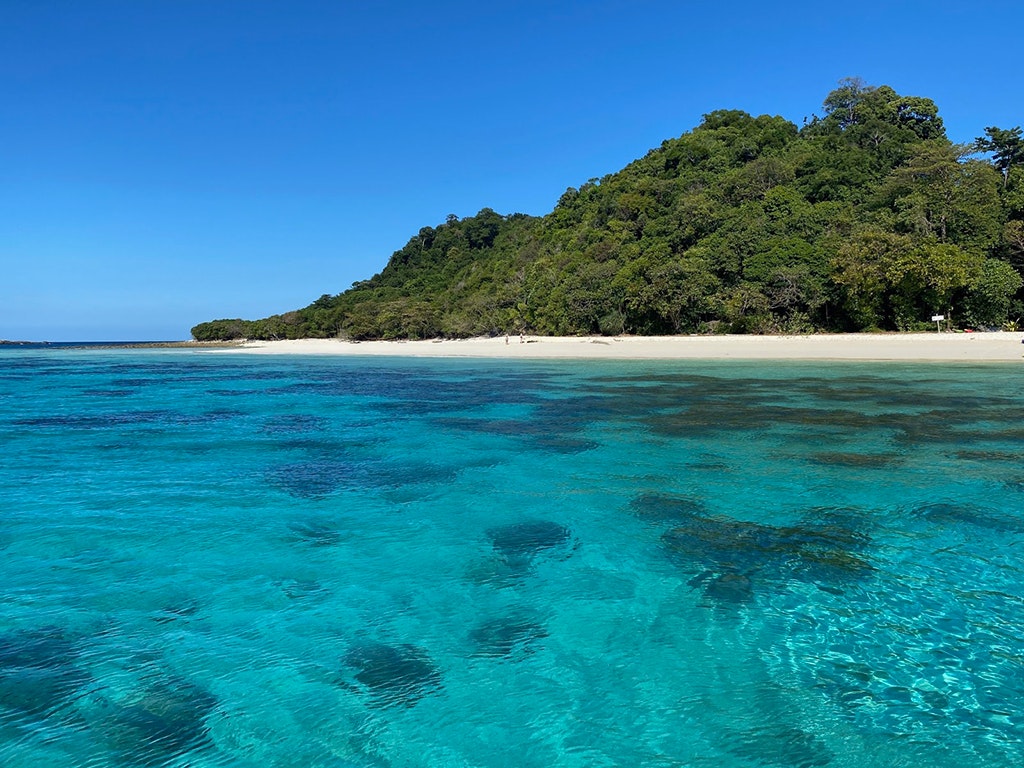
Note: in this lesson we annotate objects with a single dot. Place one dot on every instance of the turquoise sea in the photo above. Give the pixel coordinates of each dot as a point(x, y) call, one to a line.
point(220, 560)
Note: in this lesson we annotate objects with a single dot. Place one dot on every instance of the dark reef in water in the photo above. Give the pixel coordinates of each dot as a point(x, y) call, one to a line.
point(317, 533)
point(552, 426)
point(780, 745)
point(322, 476)
point(735, 556)
point(299, 589)
point(727, 588)
point(393, 674)
point(311, 479)
point(852, 460)
point(155, 419)
point(40, 681)
point(164, 721)
point(659, 508)
point(524, 540)
point(180, 611)
point(291, 423)
point(957, 515)
point(38, 672)
point(505, 635)
point(697, 407)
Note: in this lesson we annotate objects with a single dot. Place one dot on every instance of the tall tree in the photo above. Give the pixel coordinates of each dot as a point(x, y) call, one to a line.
point(1006, 146)
point(939, 194)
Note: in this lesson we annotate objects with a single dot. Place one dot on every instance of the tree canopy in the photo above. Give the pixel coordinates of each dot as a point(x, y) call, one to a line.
point(867, 217)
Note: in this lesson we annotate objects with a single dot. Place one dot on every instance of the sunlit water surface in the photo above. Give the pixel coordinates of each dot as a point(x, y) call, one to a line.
point(216, 560)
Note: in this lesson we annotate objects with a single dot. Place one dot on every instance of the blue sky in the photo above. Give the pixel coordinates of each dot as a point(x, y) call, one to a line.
point(169, 162)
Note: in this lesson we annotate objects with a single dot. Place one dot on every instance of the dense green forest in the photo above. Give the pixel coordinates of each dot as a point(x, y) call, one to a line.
point(865, 218)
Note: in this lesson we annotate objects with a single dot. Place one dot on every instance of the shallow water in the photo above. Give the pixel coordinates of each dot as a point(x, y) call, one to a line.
point(217, 560)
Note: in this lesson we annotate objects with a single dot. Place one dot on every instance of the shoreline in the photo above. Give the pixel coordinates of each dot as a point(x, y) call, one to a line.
point(993, 346)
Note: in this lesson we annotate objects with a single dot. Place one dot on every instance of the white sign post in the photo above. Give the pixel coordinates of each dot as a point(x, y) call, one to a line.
point(938, 319)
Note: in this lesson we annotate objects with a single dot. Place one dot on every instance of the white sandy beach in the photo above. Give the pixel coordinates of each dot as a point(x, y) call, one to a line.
point(978, 347)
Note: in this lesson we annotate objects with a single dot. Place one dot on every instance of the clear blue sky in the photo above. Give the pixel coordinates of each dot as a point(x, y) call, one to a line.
point(166, 162)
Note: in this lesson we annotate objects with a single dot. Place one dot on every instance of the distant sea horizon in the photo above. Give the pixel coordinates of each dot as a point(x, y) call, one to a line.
point(65, 344)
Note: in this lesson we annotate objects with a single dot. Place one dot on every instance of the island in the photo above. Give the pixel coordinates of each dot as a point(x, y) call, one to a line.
point(864, 218)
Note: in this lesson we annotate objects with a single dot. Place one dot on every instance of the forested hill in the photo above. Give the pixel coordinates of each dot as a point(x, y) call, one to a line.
point(865, 218)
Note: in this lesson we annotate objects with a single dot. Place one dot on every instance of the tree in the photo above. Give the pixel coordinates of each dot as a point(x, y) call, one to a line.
point(924, 279)
point(858, 271)
point(841, 104)
point(671, 297)
point(1006, 146)
point(990, 294)
point(222, 330)
point(891, 280)
point(1013, 236)
point(481, 229)
point(938, 194)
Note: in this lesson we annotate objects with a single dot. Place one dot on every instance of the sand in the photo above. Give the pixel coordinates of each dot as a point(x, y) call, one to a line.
point(977, 347)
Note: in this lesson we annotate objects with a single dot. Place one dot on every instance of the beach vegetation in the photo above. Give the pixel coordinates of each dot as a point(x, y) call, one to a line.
point(865, 217)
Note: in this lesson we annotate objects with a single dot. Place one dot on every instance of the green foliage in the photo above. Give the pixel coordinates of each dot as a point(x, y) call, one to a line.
point(924, 279)
point(990, 295)
point(936, 194)
point(1006, 146)
point(867, 217)
point(222, 330)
